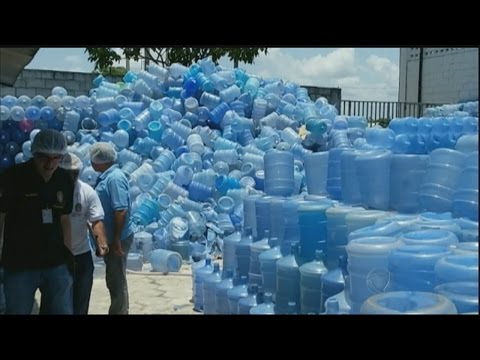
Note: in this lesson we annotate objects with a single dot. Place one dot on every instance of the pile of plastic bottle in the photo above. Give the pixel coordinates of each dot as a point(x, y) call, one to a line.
point(469, 108)
point(312, 212)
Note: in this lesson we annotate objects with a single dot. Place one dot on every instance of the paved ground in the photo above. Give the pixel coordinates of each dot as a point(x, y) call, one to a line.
point(150, 292)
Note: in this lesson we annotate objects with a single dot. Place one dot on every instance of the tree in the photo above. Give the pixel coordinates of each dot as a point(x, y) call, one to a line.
point(106, 57)
point(383, 122)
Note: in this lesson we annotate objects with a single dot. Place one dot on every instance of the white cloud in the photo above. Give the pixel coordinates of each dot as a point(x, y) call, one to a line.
point(337, 64)
point(379, 81)
point(370, 92)
point(349, 81)
point(381, 63)
point(317, 70)
point(374, 78)
point(384, 67)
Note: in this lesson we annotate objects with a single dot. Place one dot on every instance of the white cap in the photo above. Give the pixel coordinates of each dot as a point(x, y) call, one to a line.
point(49, 141)
point(102, 153)
point(71, 162)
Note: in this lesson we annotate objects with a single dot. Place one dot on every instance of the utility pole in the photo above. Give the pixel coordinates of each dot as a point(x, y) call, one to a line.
point(420, 80)
point(147, 58)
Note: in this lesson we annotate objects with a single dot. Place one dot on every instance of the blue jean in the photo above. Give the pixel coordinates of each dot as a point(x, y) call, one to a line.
point(55, 285)
point(82, 283)
point(116, 279)
point(2, 300)
point(2, 294)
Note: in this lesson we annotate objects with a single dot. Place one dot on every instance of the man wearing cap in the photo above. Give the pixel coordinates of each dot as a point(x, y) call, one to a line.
point(87, 213)
point(114, 192)
point(36, 199)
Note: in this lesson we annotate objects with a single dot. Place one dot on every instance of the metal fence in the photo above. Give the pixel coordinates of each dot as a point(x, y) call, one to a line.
point(382, 111)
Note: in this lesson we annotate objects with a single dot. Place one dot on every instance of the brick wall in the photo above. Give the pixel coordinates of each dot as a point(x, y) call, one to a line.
point(41, 82)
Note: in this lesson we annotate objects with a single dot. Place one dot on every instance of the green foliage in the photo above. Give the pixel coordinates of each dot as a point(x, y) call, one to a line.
point(104, 58)
point(383, 122)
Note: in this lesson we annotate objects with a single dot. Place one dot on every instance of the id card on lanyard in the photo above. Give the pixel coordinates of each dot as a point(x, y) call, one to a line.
point(47, 216)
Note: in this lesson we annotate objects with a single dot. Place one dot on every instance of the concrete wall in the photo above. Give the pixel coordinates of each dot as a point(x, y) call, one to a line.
point(333, 95)
point(41, 82)
point(449, 75)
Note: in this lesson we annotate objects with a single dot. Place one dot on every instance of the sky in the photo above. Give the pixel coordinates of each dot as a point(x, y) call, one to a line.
point(361, 73)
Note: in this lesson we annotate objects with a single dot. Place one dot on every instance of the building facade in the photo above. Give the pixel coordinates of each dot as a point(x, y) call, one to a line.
point(438, 75)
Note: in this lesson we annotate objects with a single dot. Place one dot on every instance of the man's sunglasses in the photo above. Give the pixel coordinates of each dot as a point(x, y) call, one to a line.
point(46, 157)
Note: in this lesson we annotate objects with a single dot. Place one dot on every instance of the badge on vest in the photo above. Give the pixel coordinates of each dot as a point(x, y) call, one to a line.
point(59, 204)
point(60, 197)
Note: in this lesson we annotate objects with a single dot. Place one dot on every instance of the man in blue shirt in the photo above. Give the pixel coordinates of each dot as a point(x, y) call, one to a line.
point(113, 190)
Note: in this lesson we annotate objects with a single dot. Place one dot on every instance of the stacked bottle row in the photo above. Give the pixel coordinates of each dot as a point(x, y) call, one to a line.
point(469, 108)
point(451, 183)
point(423, 135)
point(288, 220)
point(293, 219)
point(383, 253)
point(417, 269)
point(418, 254)
point(239, 295)
point(407, 183)
point(318, 290)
